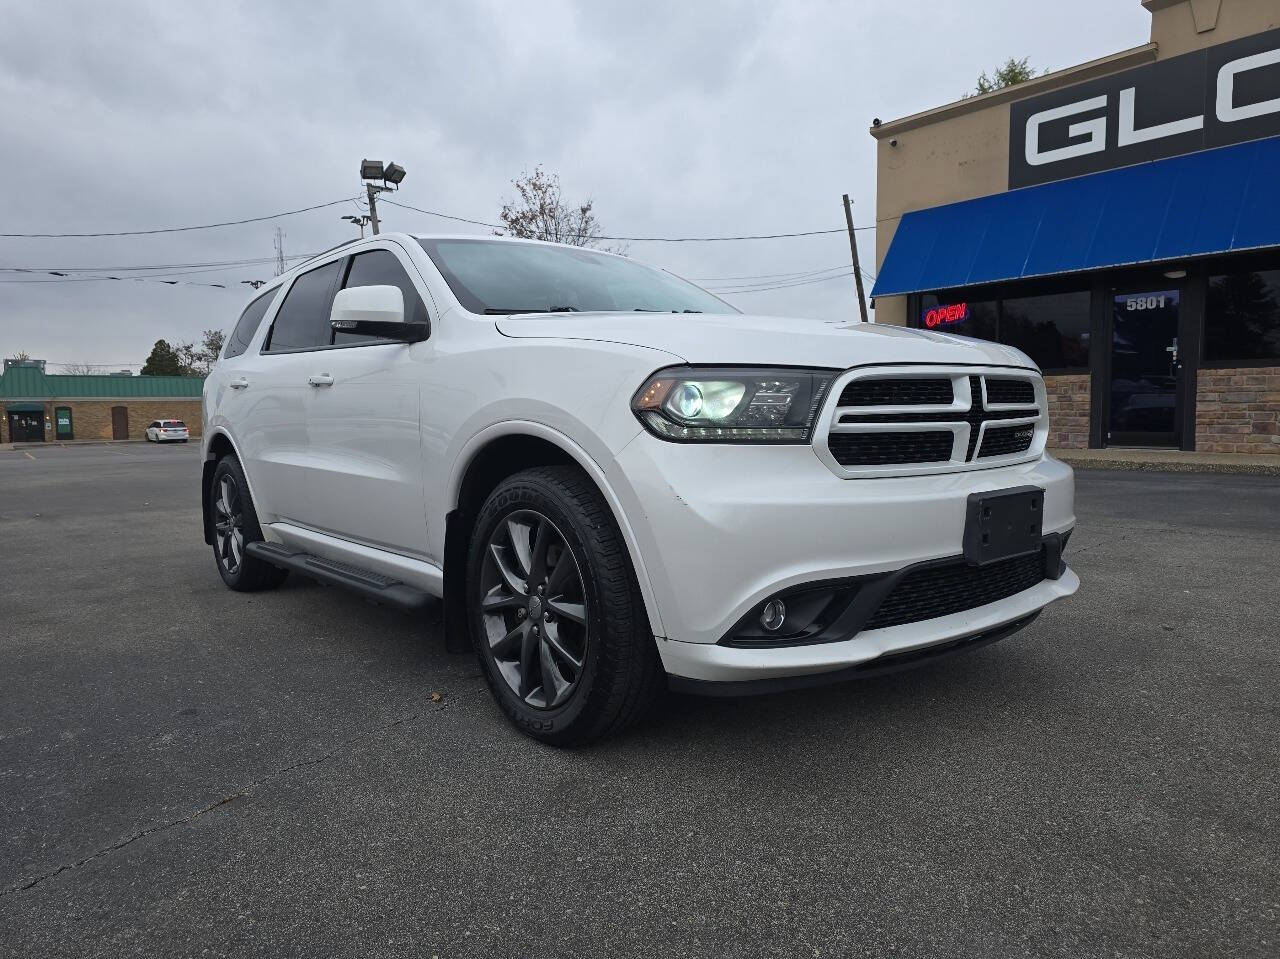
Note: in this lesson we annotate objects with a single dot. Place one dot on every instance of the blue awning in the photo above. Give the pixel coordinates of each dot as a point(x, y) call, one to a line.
point(1215, 201)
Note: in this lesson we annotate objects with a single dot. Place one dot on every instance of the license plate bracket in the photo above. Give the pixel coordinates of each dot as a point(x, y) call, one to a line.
point(1003, 524)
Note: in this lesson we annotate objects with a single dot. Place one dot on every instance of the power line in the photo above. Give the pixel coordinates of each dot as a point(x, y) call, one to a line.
point(767, 276)
point(174, 229)
point(636, 239)
point(786, 286)
point(229, 264)
point(122, 279)
point(817, 275)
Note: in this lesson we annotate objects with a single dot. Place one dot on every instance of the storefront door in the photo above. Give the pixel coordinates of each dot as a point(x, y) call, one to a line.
point(26, 427)
point(1144, 369)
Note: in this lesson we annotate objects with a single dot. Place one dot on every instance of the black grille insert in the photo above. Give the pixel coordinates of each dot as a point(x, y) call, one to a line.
point(897, 392)
point(879, 449)
point(955, 587)
point(1004, 440)
point(1004, 392)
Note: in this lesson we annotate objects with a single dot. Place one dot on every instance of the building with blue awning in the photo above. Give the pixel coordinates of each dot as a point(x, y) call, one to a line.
point(1118, 221)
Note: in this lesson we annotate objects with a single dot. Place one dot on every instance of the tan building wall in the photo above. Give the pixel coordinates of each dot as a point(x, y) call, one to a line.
point(1238, 411)
point(91, 419)
point(1179, 26)
point(961, 150)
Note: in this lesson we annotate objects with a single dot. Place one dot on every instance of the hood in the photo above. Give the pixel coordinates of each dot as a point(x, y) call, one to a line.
point(739, 339)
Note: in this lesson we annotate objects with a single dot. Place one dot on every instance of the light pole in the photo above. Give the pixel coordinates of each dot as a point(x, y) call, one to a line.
point(388, 173)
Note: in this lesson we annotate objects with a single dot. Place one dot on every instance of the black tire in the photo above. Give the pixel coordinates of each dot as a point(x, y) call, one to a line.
point(620, 675)
point(239, 570)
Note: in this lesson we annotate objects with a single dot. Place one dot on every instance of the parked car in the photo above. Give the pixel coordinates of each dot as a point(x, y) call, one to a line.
point(167, 431)
point(618, 483)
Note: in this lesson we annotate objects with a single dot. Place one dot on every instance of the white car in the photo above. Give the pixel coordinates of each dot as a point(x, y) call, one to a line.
point(167, 431)
point(618, 483)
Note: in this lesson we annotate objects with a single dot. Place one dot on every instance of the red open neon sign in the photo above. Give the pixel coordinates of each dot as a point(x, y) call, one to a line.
point(946, 315)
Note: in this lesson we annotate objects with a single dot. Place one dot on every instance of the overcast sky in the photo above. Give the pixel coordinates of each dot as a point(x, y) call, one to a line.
point(678, 118)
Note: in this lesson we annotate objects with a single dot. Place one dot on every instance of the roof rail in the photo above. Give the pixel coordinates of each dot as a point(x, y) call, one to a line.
point(315, 256)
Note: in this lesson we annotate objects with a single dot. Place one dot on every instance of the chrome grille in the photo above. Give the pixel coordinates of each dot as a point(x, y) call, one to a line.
point(886, 421)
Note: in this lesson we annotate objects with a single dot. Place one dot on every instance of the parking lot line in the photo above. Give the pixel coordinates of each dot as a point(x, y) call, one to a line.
point(27, 455)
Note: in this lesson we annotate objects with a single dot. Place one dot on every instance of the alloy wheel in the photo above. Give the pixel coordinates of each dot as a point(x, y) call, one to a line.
point(534, 609)
point(228, 525)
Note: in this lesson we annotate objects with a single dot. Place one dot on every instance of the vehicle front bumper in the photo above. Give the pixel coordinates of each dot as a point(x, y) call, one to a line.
point(722, 528)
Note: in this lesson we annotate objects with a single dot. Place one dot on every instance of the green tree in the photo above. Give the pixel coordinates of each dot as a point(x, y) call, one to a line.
point(199, 360)
point(1006, 75)
point(163, 361)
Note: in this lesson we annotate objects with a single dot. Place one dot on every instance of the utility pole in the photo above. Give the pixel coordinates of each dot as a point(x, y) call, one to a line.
point(373, 207)
point(857, 268)
point(279, 246)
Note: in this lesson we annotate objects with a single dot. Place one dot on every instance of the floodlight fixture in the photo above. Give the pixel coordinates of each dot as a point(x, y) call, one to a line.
point(371, 170)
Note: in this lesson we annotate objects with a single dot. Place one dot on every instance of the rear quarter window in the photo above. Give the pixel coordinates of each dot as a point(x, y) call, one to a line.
point(248, 325)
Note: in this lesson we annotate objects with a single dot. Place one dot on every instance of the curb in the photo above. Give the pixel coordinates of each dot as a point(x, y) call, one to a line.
point(1154, 465)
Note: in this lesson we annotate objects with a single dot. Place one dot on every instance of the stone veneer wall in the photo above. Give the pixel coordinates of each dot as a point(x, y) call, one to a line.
point(1238, 411)
point(1068, 411)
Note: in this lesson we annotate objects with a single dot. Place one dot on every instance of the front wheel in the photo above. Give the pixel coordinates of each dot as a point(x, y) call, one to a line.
point(235, 525)
point(558, 623)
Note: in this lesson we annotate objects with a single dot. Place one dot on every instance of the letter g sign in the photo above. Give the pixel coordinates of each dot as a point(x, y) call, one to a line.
point(1095, 129)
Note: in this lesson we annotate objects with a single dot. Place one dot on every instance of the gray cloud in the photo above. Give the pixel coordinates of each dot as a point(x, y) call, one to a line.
point(678, 118)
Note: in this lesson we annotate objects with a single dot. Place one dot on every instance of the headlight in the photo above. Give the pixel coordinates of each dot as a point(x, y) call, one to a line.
point(731, 405)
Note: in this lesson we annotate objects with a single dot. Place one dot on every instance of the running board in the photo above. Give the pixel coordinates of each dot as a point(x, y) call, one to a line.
point(372, 586)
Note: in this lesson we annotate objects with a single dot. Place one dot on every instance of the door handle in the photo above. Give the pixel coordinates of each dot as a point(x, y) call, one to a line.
point(238, 384)
point(320, 379)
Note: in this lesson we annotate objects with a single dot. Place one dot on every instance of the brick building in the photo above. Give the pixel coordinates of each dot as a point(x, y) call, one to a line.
point(36, 406)
point(1119, 221)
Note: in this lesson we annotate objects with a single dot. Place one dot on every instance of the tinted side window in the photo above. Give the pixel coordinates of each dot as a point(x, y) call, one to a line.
point(238, 342)
point(381, 268)
point(303, 319)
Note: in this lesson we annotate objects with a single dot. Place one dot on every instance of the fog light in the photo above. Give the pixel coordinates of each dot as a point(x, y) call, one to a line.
point(773, 615)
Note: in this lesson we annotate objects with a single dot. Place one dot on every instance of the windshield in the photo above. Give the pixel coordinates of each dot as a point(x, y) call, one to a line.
point(173, 425)
point(491, 276)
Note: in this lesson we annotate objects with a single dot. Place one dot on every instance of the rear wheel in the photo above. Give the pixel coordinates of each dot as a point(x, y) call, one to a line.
point(559, 627)
point(235, 525)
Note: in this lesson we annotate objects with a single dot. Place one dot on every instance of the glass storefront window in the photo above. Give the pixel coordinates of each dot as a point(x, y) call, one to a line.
point(1242, 317)
point(1053, 330)
point(958, 316)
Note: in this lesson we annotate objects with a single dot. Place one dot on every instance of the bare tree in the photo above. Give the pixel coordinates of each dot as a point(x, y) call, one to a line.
point(78, 369)
point(541, 213)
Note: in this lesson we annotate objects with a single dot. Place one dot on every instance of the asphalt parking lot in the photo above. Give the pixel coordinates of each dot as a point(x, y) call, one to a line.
point(189, 771)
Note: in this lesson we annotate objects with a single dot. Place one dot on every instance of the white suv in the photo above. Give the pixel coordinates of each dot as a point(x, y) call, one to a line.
point(618, 483)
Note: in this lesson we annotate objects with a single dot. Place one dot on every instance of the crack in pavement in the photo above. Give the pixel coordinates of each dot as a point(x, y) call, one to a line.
point(241, 793)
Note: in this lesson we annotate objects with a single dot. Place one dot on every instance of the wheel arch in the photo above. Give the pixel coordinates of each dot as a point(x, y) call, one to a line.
point(219, 445)
point(490, 457)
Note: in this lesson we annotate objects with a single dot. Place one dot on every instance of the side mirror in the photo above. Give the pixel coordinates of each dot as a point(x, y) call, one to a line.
point(374, 311)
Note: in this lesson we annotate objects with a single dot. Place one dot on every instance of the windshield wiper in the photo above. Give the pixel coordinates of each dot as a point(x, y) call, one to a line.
point(552, 309)
point(641, 309)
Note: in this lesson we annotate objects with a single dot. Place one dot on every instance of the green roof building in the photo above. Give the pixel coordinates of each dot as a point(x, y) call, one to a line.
point(40, 407)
